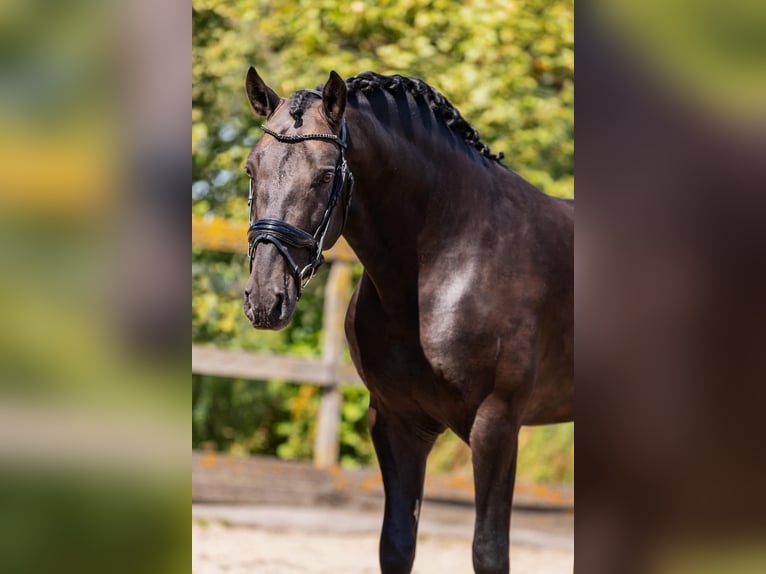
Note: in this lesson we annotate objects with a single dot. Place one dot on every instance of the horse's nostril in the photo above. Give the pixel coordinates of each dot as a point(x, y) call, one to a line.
point(276, 310)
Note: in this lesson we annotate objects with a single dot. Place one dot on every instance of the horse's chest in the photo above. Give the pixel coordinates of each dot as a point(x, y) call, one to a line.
point(437, 360)
point(455, 336)
point(458, 355)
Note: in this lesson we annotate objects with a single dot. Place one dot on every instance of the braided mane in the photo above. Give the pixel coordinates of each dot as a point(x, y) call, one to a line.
point(299, 103)
point(368, 82)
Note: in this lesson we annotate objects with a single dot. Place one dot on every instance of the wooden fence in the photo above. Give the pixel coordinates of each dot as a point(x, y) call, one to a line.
point(217, 234)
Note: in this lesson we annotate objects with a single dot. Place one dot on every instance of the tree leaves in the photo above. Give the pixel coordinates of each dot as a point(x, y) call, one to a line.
point(508, 67)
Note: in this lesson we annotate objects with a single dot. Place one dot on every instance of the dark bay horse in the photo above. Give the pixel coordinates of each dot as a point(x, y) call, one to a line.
point(464, 315)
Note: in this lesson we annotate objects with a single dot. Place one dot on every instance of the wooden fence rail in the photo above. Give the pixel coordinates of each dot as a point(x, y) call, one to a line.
point(216, 234)
point(248, 365)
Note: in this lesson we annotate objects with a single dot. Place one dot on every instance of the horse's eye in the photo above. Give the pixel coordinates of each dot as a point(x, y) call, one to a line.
point(326, 177)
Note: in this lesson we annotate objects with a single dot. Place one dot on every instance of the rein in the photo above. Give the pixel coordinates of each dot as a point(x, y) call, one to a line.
point(281, 234)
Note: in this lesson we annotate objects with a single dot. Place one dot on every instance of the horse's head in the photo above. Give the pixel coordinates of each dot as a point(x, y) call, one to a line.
point(299, 192)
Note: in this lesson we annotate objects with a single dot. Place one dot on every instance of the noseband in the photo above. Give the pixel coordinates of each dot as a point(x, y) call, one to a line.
point(281, 234)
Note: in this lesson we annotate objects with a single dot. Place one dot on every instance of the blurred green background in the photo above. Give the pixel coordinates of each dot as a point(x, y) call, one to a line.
point(507, 66)
point(93, 422)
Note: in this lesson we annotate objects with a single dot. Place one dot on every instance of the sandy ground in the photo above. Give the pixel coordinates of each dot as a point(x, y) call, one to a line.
point(286, 540)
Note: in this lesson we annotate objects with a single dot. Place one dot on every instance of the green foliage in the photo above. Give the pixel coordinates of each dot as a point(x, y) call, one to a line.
point(507, 66)
point(276, 418)
point(355, 444)
point(297, 433)
point(238, 416)
point(546, 454)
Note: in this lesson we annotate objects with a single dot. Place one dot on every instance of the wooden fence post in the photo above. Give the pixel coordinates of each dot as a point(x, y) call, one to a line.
point(327, 441)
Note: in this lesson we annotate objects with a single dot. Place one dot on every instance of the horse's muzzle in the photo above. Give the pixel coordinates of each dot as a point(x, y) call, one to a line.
point(268, 312)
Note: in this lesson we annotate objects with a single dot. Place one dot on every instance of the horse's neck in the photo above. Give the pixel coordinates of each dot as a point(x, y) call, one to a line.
point(394, 196)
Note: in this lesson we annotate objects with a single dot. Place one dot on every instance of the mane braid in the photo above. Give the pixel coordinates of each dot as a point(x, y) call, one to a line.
point(299, 103)
point(367, 82)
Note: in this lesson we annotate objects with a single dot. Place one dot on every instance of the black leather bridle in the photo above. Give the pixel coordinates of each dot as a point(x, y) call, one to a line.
point(281, 234)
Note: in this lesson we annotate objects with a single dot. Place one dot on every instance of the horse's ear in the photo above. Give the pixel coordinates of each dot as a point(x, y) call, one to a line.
point(334, 98)
point(262, 98)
